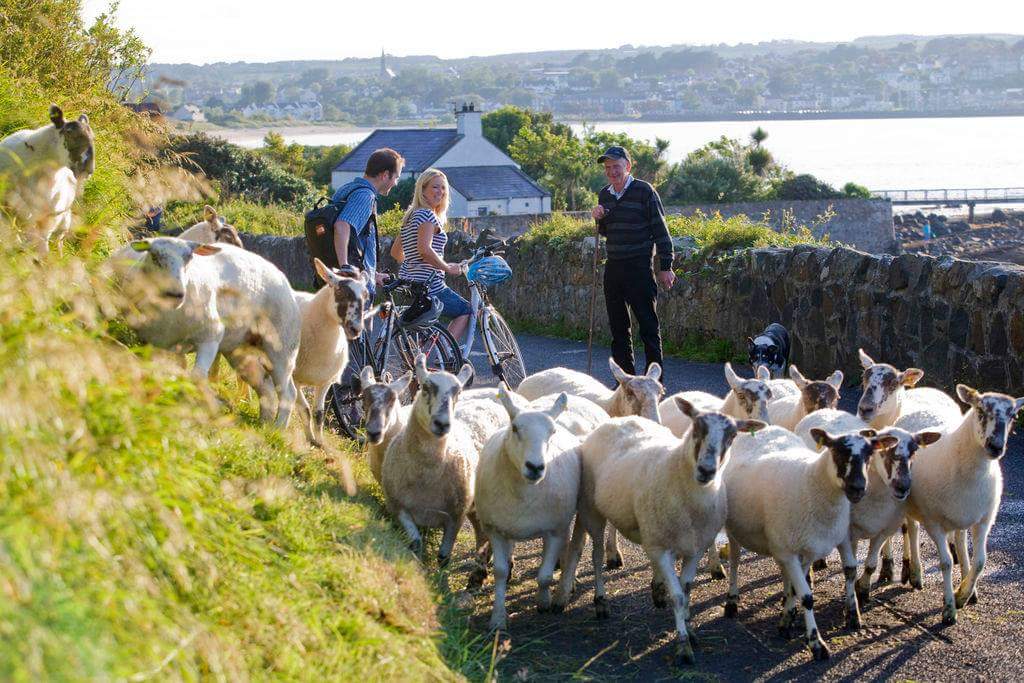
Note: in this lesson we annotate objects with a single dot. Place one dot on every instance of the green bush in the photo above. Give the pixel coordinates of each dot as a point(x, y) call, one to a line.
point(241, 173)
point(805, 186)
point(257, 219)
point(857, 191)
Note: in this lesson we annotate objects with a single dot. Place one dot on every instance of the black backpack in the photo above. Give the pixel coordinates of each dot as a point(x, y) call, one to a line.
point(319, 227)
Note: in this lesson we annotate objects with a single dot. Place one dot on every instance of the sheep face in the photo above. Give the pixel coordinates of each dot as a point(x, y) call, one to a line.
point(849, 455)
point(380, 403)
point(817, 395)
point(992, 417)
point(221, 231)
point(77, 141)
point(435, 401)
point(642, 393)
point(711, 435)
point(894, 461)
point(526, 441)
point(166, 267)
point(883, 387)
point(753, 394)
point(351, 298)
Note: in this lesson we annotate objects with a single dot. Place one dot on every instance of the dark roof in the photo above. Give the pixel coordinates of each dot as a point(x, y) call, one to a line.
point(492, 182)
point(421, 147)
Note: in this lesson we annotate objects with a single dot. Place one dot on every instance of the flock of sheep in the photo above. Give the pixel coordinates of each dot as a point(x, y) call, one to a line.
point(773, 462)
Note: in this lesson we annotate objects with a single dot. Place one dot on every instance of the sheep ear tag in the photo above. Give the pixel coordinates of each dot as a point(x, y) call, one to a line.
point(206, 250)
point(140, 245)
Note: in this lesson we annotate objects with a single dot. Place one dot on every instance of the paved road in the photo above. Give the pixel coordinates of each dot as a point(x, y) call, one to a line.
point(903, 637)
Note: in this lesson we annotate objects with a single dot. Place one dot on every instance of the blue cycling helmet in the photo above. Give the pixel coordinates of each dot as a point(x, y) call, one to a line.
point(489, 271)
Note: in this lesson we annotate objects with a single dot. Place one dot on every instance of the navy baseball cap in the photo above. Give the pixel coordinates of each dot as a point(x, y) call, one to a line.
point(614, 152)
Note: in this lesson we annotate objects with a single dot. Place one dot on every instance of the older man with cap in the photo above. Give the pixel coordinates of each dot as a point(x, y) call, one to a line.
point(630, 216)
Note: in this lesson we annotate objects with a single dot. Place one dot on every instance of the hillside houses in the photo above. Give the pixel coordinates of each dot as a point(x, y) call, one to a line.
point(484, 180)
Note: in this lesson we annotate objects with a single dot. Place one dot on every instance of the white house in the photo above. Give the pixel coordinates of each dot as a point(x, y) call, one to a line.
point(484, 180)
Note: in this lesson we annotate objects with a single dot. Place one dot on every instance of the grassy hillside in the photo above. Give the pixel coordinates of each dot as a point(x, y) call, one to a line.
point(149, 528)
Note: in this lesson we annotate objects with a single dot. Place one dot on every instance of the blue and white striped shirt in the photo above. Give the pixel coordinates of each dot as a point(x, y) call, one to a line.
point(362, 200)
point(414, 267)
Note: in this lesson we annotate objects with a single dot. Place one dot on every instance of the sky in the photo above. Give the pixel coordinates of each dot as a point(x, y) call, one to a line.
point(205, 31)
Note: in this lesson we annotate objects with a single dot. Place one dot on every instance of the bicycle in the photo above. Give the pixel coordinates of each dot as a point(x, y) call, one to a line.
point(499, 342)
point(391, 351)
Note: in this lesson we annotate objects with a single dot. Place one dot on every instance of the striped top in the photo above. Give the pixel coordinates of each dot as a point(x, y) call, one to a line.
point(414, 267)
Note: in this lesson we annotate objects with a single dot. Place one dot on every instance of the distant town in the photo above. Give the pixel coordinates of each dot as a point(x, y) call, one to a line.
point(893, 75)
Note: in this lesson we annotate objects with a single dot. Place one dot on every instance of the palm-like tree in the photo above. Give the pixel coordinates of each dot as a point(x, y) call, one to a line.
point(758, 136)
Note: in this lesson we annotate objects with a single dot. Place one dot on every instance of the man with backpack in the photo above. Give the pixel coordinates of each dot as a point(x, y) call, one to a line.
point(355, 239)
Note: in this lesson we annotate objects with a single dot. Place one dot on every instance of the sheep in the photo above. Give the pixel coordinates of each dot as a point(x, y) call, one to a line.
point(793, 504)
point(429, 468)
point(889, 393)
point(526, 487)
point(580, 417)
point(384, 414)
point(212, 229)
point(635, 395)
point(330, 318)
point(482, 418)
point(787, 411)
point(228, 301)
point(747, 398)
point(49, 166)
point(958, 485)
point(659, 491)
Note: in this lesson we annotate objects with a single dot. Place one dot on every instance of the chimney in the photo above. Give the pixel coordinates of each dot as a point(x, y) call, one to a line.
point(468, 121)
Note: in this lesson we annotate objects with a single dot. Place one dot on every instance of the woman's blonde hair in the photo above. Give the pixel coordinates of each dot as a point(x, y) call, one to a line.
point(419, 201)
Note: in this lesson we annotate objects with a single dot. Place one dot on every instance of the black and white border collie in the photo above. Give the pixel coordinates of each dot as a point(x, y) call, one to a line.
point(770, 349)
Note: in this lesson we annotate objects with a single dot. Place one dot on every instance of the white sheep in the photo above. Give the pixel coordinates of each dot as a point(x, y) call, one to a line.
point(47, 167)
point(888, 394)
point(580, 417)
point(659, 491)
point(212, 229)
point(793, 505)
point(526, 487)
point(220, 299)
point(747, 399)
point(429, 468)
point(330, 318)
point(635, 395)
point(482, 418)
point(958, 484)
point(384, 415)
point(787, 411)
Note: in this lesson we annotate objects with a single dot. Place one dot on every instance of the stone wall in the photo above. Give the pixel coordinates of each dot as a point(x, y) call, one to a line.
point(864, 224)
point(960, 321)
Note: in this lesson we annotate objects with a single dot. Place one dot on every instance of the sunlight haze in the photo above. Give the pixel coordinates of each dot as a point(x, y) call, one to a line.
point(204, 31)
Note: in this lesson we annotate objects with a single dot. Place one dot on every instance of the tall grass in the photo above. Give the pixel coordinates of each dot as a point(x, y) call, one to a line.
point(149, 527)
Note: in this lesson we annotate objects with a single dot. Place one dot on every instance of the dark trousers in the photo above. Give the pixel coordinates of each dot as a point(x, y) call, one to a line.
point(630, 286)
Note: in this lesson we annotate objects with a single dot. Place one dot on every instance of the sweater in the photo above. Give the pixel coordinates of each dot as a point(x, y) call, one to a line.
point(635, 224)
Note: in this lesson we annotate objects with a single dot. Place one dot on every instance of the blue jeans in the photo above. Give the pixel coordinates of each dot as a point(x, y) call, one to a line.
point(452, 304)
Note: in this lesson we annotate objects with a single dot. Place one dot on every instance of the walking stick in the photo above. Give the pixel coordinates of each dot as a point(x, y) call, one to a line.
point(593, 298)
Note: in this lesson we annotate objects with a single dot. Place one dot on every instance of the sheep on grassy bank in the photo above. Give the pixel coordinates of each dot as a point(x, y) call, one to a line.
point(659, 491)
point(212, 229)
point(526, 487)
point(384, 415)
point(330, 319)
point(46, 169)
point(958, 485)
point(219, 299)
point(793, 505)
point(747, 399)
point(429, 469)
point(787, 411)
point(635, 395)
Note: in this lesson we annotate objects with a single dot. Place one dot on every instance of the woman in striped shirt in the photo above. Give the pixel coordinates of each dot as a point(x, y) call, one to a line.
point(423, 240)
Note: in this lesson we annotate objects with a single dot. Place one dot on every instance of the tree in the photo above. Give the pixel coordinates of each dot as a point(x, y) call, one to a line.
point(289, 157)
point(758, 136)
point(805, 186)
point(321, 161)
point(502, 125)
point(263, 92)
point(852, 189)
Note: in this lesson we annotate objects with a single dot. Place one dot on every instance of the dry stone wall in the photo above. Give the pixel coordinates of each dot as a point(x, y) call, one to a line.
point(960, 321)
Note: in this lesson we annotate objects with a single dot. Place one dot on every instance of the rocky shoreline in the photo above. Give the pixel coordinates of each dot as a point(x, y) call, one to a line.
point(998, 236)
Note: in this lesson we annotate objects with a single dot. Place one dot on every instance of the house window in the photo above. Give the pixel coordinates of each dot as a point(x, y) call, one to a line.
point(481, 211)
point(527, 205)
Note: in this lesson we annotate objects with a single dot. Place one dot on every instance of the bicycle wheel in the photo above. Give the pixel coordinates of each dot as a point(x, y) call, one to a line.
point(343, 398)
point(436, 343)
point(506, 358)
